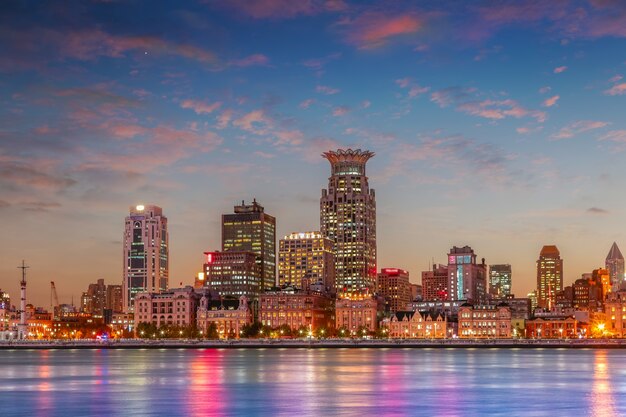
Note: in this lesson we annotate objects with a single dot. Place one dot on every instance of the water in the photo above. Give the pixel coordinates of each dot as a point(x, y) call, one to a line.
point(317, 382)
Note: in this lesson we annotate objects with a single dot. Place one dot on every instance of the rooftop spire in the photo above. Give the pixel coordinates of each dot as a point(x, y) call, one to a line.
point(614, 253)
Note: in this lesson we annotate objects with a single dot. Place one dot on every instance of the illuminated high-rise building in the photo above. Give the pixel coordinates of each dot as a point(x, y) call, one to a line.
point(499, 281)
point(615, 265)
point(250, 229)
point(467, 280)
point(348, 219)
point(305, 259)
point(394, 286)
point(549, 276)
point(146, 253)
point(233, 273)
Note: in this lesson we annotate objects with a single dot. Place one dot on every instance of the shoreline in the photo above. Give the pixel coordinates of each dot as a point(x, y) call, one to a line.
point(317, 344)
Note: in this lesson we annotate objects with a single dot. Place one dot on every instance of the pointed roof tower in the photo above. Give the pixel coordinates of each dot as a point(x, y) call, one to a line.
point(614, 253)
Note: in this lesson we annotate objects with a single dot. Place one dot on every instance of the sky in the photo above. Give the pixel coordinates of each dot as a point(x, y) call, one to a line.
point(496, 124)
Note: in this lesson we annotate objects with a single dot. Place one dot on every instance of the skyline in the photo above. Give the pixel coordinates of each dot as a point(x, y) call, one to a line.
point(497, 128)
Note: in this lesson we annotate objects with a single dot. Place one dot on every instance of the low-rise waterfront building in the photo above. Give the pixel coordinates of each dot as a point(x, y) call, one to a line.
point(553, 327)
point(484, 321)
point(296, 309)
point(358, 314)
point(174, 307)
point(228, 315)
point(415, 325)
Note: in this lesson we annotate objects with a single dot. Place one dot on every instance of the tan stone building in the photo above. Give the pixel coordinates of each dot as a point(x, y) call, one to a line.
point(175, 307)
point(615, 311)
point(484, 321)
point(416, 325)
point(229, 316)
point(358, 313)
point(296, 308)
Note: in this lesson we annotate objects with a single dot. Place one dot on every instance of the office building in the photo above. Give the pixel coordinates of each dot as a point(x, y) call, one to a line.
point(467, 280)
point(348, 219)
point(394, 287)
point(297, 309)
point(549, 276)
point(305, 259)
point(233, 274)
point(146, 253)
point(499, 280)
point(250, 229)
point(435, 283)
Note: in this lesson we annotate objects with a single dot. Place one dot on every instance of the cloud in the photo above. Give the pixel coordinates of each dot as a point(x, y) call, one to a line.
point(415, 90)
point(319, 63)
point(224, 119)
point(253, 121)
point(365, 104)
point(524, 130)
point(465, 100)
point(33, 173)
point(38, 206)
point(549, 102)
point(374, 29)
point(545, 89)
point(597, 210)
point(559, 70)
point(578, 127)
point(615, 79)
point(616, 90)
point(252, 60)
point(499, 109)
point(341, 111)
point(616, 136)
point(280, 9)
point(200, 107)
point(322, 89)
point(306, 103)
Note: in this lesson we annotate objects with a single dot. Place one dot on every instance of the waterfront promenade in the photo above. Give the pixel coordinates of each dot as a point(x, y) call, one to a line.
point(315, 343)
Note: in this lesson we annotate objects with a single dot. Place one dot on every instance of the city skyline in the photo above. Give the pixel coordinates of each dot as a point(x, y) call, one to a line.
point(497, 128)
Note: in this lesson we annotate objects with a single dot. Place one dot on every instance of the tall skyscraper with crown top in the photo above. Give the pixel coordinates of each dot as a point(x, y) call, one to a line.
point(348, 219)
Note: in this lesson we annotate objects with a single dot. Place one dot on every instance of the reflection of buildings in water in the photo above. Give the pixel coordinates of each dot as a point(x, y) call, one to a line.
point(207, 385)
point(602, 401)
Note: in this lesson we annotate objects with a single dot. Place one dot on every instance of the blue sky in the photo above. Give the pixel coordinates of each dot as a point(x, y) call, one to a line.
point(497, 125)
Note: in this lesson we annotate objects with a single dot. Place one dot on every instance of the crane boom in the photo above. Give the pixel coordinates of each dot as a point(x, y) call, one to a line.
point(54, 297)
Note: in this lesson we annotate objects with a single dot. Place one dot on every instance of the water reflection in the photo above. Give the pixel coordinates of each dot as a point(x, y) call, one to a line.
point(312, 382)
point(602, 397)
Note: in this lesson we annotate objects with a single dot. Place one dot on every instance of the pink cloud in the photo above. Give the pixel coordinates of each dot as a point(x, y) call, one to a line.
point(616, 90)
point(559, 70)
point(319, 63)
point(499, 109)
point(365, 104)
point(280, 9)
point(200, 107)
point(253, 121)
point(88, 45)
point(615, 78)
point(306, 103)
point(545, 89)
point(549, 102)
point(323, 89)
point(289, 137)
point(616, 136)
point(415, 90)
point(224, 119)
point(374, 29)
point(252, 60)
point(577, 127)
point(341, 111)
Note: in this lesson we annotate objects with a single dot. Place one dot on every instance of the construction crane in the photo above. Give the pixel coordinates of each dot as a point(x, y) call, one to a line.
point(54, 297)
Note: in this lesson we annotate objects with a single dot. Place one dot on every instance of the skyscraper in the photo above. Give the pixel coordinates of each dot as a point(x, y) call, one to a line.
point(467, 280)
point(305, 259)
point(233, 273)
point(549, 276)
point(499, 280)
point(146, 253)
point(250, 229)
point(348, 219)
point(615, 265)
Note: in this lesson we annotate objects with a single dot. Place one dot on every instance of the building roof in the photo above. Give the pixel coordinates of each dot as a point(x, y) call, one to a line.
point(614, 253)
point(549, 250)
